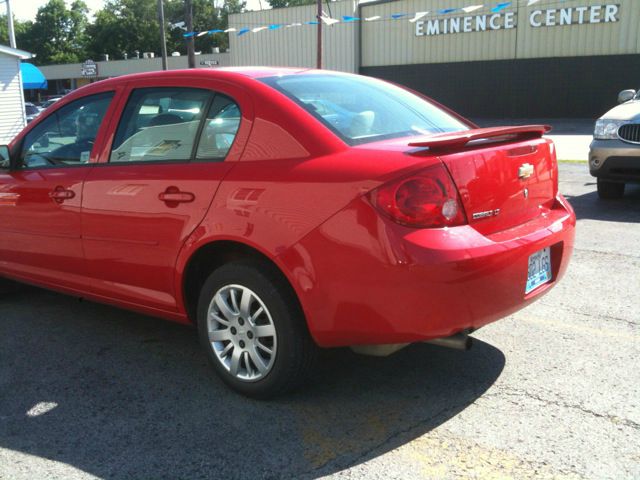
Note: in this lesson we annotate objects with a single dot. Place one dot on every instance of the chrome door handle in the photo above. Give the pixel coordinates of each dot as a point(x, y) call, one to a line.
point(60, 194)
point(173, 195)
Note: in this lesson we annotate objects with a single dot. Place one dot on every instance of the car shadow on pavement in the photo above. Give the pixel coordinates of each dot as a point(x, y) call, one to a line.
point(120, 395)
point(589, 206)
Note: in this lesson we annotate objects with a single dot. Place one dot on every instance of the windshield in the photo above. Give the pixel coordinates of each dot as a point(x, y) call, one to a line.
point(362, 109)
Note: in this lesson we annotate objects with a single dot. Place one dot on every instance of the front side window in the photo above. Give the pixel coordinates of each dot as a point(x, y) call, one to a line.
point(361, 109)
point(159, 124)
point(5, 157)
point(66, 137)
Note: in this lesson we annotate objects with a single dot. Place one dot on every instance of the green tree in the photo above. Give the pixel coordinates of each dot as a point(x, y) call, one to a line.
point(124, 26)
point(22, 32)
point(58, 33)
point(289, 3)
point(207, 15)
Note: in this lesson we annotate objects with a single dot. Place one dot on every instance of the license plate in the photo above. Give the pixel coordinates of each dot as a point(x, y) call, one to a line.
point(539, 269)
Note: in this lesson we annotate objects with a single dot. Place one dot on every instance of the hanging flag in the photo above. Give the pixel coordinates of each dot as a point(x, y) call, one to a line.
point(312, 22)
point(396, 16)
point(243, 31)
point(418, 16)
point(211, 32)
point(294, 25)
point(275, 26)
point(372, 19)
point(347, 18)
point(230, 30)
point(258, 29)
point(500, 6)
point(188, 34)
point(472, 8)
point(531, 2)
point(201, 34)
point(444, 11)
point(328, 20)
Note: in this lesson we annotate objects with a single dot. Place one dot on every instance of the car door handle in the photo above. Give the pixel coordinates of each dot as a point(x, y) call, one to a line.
point(60, 194)
point(173, 195)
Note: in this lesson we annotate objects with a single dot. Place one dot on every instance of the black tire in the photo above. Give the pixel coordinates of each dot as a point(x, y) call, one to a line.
point(296, 352)
point(610, 190)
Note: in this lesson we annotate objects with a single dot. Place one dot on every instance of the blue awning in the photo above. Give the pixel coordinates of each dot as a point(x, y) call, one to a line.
point(32, 77)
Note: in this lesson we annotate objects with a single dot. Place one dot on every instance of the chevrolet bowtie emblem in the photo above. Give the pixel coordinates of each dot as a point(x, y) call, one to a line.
point(525, 171)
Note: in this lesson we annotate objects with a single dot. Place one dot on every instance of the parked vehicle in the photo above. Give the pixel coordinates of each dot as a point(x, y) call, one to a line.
point(226, 199)
point(614, 157)
point(31, 111)
point(50, 101)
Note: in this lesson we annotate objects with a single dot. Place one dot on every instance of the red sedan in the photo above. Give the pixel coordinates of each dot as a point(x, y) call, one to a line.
point(282, 210)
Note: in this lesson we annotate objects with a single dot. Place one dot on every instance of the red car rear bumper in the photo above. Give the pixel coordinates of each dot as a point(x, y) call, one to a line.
point(379, 282)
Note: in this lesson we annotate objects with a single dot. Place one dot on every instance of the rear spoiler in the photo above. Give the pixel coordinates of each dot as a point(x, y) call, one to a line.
point(458, 140)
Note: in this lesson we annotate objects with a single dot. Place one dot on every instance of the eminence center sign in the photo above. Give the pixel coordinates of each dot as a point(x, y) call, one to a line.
point(551, 17)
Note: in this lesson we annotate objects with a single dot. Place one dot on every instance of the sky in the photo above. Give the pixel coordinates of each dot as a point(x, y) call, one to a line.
point(27, 9)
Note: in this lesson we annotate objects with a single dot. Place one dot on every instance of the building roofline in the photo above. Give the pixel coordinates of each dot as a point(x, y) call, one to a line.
point(21, 54)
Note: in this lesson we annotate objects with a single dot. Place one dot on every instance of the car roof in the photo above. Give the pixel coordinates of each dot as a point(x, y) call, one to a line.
point(224, 73)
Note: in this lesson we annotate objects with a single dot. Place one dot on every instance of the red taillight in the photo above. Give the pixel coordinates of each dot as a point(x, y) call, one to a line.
point(428, 199)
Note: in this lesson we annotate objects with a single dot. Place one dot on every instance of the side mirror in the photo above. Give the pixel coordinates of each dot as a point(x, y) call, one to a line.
point(5, 157)
point(626, 95)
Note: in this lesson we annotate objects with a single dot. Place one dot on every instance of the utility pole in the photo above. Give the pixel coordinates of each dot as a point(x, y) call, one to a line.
point(319, 50)
point(191, 53)
point(12, 35)
point(163, 38)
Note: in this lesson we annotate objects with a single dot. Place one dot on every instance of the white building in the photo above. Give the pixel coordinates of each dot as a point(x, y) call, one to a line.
point(12, 114)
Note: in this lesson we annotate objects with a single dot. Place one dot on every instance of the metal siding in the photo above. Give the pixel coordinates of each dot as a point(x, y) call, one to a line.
point(393, 42)
point(294, 46)
point(581, 40)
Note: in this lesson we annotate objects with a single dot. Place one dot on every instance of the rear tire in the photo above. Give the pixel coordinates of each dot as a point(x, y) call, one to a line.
point(610, 190)
point(253, 330)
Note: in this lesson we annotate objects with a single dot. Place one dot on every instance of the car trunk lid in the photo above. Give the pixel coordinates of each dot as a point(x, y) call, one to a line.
point(506, 176)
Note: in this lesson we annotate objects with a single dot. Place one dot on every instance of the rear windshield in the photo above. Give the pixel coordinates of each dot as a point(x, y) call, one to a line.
point(362, 109)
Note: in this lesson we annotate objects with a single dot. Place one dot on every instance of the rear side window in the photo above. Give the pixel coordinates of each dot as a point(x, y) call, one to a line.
point(220, 129)
point(362, 109)
point(159, 124)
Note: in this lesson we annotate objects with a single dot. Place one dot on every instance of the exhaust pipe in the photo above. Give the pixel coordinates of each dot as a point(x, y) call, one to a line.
point(459, 341)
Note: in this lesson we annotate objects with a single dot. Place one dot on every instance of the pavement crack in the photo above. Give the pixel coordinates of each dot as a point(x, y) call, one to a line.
point(610, 254)
point(579, 311)
point(510, 392)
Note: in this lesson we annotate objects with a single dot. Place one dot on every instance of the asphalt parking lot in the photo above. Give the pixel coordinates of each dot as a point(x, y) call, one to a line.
point(90, 391)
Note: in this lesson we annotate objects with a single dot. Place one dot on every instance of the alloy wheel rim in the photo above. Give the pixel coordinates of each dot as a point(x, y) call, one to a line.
point(241, 333)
